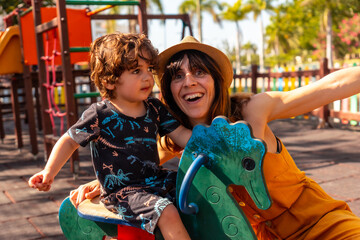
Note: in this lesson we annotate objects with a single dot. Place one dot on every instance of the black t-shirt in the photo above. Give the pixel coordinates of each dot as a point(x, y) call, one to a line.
point(123, 148)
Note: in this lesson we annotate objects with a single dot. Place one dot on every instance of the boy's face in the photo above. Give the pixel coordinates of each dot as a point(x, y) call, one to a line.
point(136, 84)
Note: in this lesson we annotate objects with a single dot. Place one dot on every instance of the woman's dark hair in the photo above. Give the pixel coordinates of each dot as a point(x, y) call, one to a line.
point(237, 101)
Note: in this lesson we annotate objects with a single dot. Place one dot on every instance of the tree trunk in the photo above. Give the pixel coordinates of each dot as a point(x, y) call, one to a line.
point(238, 47)
point(261, 50)
point(248, 57)
point(199, 18)
point(329, 52)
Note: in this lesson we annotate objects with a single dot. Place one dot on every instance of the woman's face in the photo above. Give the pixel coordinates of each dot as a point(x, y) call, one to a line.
point(193, 91)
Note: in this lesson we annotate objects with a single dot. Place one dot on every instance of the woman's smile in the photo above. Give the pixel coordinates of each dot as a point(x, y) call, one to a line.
point(193, 97)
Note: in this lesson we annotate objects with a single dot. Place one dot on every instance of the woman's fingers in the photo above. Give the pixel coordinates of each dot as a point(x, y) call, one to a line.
point(73, 197)
point(81, 195)
point(86, 191)
point(93, 193)
point(78, 195)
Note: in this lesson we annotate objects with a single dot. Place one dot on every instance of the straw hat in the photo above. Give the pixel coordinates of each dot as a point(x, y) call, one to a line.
point(190, 42)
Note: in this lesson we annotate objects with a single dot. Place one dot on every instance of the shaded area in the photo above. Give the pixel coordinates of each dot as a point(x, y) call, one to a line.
point(330, 156)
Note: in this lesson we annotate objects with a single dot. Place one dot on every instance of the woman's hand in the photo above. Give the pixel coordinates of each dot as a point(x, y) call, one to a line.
point(85, 191)
point(164, 154)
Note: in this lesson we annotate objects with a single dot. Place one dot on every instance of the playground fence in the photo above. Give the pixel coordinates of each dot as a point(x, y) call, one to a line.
point(346, 111)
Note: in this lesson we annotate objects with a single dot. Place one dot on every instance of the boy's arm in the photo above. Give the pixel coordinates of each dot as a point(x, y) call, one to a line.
point(180, 136)
point(61, 152)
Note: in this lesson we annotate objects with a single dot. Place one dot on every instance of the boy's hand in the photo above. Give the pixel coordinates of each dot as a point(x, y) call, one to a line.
point(41, 181)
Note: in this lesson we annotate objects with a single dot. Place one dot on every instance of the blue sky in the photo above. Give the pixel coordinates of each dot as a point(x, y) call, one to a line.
point(213, 34)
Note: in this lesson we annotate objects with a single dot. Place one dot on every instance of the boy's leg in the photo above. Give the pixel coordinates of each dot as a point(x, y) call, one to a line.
point(170, 224)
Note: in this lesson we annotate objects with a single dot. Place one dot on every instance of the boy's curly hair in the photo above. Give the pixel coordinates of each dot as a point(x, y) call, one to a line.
point(112, 54)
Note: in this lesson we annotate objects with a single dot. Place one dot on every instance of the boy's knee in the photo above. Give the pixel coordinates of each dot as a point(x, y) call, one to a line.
point(170, 213)
point(171, 226)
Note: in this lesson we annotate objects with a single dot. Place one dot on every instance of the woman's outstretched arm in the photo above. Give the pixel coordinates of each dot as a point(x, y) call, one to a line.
point(277, 105)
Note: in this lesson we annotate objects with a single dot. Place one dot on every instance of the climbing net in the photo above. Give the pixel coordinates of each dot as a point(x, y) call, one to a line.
point(53, 108)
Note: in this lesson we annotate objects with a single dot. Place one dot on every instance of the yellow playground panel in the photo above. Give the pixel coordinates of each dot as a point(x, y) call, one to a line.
point(10, 51)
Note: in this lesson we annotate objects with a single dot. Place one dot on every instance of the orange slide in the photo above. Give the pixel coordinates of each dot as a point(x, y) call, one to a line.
point(10, 52)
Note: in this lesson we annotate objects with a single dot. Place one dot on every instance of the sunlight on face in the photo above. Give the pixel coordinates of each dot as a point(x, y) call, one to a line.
point(134, 85)
point(193, 92)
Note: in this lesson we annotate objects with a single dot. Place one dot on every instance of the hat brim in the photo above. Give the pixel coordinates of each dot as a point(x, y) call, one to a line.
point(218, 56)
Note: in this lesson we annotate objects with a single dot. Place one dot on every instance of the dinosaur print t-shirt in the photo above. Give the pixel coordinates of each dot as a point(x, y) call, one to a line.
point(123, 148)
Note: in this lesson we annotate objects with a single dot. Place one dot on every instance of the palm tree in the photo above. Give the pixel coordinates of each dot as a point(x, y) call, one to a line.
point(236, 13)
point(282, 34)
point(258, 7)
point(291, 32)
point(331, 9)
point(249, 49)
point(196, 7)
point(326, 23)
point(279, 40)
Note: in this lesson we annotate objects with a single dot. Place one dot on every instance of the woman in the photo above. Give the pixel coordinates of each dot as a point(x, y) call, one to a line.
point(194, 80)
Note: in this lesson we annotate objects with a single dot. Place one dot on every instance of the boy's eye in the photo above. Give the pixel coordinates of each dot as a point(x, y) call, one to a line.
point(136, 71)
point(151, 69)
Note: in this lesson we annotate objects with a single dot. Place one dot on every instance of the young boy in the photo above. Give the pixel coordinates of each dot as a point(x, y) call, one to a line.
point(122, 131)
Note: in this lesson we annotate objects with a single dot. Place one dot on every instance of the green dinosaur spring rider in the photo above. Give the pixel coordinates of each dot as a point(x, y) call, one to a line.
point(215, 157)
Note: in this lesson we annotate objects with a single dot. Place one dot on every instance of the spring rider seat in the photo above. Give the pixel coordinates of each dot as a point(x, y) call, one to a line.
point(216, 157)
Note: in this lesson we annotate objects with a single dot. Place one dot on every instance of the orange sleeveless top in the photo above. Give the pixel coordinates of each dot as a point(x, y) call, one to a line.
point(299, 204)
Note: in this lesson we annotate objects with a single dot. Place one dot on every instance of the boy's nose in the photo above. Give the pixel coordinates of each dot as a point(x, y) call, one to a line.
point(148, 76)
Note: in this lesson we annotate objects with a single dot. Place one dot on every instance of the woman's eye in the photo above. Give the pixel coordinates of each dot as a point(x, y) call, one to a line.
point(151, 69)
point(178, 76)
point(199, 72)
point(136, 71)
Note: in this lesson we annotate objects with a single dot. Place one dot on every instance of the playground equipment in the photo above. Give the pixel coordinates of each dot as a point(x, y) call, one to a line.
point(12, 77)
point(231, 157)
point(63, 25)
point(10, 63)
point(215, 158)
point(54, 31)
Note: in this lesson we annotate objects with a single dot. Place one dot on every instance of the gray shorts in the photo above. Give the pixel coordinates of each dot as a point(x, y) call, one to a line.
point(142, 206)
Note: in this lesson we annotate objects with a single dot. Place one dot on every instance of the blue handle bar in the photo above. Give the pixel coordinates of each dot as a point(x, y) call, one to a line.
point(191, 208)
